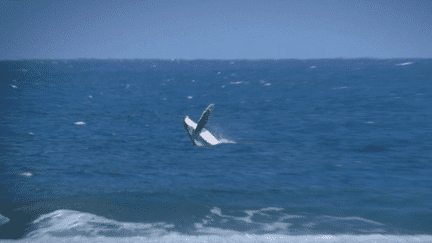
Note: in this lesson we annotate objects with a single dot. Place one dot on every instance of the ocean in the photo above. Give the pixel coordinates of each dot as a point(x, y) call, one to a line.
point(326, 150)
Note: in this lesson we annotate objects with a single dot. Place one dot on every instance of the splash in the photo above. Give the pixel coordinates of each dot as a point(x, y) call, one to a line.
point(221, 136)
point(224, 140)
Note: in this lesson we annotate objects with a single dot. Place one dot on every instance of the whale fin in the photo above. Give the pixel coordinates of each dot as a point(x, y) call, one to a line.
point(204, 118)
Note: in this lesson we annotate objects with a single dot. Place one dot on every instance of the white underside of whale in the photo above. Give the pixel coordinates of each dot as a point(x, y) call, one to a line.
point(204, 138)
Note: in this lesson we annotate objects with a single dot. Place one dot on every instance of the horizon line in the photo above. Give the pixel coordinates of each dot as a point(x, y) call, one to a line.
point(210, 59)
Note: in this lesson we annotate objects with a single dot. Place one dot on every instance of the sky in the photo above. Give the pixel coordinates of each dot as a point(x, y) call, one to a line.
point(218, 29)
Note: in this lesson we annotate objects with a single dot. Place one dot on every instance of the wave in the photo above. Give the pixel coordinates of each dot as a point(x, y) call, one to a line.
point(75, 226)
point(174, 238)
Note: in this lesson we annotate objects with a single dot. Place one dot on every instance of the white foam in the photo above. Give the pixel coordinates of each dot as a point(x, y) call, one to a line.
point(227, 236)
point(224, 140)
point(404, 64)
point(74, 226)
point(267, 84)
point(30, 133)
point(250, 213)
point(219, 73)
point(189, 97)
point(91, 97)
point(313, 67)
point(354, 218)
point(3, 219)
point(14, 86)
point(26, 174)
point(239, 82)
point(80, 123)
point(73, 223)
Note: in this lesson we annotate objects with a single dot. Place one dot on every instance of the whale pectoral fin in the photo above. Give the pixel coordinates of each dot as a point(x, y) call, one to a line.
point(189, 127)
point(204, 118)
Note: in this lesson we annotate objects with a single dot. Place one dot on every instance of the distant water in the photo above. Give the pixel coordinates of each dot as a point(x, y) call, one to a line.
point(319, 150)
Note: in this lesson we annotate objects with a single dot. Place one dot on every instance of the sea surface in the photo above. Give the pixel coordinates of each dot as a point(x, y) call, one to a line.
point(328, 150)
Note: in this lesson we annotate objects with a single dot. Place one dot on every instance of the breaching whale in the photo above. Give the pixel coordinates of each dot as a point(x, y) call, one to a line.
point(197, 133)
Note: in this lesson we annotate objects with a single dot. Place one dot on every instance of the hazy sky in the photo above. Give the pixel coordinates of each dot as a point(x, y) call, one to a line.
point(220, 29)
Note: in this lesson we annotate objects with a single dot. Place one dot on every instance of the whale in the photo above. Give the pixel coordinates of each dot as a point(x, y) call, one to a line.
point(199, 136)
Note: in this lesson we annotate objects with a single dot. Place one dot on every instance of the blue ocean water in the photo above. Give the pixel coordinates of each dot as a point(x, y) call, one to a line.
point(331, 150)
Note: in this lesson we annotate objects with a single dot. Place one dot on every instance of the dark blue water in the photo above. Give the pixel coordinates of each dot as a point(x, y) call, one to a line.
point(96, 148)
